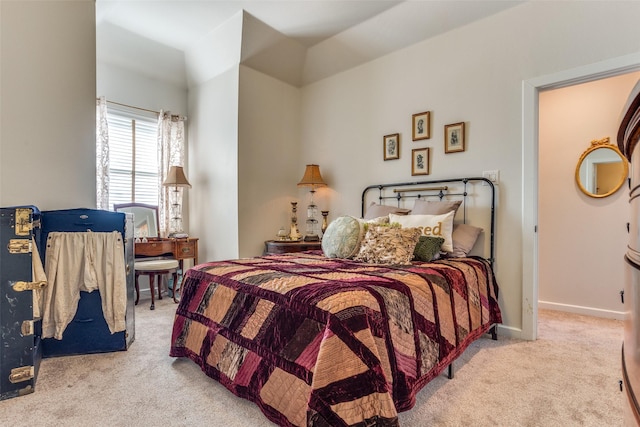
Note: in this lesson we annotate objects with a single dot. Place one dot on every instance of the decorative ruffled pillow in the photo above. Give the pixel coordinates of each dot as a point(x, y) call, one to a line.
point(378, 220)
point(428, 248)
point(388, 245)
point(342, 237)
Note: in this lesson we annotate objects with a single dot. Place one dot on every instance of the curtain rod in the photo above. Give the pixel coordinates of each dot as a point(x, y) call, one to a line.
point(173, 116)
point(131, 106)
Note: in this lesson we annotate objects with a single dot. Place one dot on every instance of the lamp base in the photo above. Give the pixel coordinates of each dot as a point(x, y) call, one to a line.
point(312, 238)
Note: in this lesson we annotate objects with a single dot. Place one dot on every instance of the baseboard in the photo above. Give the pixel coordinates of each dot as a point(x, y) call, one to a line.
point(509, 332)
point(587, 311)
point(505, 331)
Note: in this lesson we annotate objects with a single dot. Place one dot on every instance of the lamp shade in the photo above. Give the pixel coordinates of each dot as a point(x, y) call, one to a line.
point(312, 177)
point(176, 178)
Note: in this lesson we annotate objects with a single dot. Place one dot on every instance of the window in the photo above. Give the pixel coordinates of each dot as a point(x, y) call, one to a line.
point(133, 158)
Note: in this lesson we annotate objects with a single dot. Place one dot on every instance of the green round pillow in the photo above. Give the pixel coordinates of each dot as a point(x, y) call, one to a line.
point(343, 237)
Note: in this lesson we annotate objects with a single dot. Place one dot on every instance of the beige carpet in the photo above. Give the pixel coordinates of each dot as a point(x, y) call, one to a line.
point(569, 377)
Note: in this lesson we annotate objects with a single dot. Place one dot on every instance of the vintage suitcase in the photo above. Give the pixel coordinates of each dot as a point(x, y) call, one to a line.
point(88, 331)
point(23, 234)
point(20, 345)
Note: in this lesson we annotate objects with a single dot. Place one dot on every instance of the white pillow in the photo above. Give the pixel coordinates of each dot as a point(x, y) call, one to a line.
point(432, 225)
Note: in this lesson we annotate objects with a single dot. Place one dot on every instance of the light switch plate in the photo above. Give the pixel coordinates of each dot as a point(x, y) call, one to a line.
point(493, 176)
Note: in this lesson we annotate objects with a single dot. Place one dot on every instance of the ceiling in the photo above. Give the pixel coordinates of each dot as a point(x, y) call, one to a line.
point(370, 28)
point(180, 23)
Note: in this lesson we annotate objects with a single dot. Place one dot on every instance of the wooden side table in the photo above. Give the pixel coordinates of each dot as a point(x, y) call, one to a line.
point(181, 249)
point(186, 249)
point(273, 247)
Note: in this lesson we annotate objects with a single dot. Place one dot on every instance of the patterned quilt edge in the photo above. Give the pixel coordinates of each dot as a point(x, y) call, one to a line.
point(279, 419)
point(275, 416)
point(442, 365)
point(269, 412)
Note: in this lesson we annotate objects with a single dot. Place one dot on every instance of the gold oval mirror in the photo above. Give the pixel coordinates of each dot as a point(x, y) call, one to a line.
point(602, 169)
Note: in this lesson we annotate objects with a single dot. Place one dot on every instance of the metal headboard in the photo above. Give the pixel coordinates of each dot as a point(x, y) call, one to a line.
point(437, 188)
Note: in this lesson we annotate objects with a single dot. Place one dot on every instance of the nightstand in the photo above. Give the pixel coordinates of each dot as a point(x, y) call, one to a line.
point(273, 247)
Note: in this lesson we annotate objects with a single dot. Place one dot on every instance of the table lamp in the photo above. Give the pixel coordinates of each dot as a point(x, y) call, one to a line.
point(177, 180)
point(313, 179)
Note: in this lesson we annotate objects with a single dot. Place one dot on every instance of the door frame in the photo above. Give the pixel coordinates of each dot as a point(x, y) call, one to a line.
point(530, 115)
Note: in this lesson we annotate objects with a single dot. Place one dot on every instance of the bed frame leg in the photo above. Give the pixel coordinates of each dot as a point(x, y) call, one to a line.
point(450, 371)
point(494, 332)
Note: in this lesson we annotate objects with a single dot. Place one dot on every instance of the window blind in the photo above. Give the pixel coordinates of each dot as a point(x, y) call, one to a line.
point(133, 158)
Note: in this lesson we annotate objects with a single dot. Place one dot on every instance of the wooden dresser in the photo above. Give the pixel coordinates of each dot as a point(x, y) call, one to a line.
point(181, 249)
point(628, 137)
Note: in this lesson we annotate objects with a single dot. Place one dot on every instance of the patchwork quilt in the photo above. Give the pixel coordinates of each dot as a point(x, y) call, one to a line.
point(317, 341)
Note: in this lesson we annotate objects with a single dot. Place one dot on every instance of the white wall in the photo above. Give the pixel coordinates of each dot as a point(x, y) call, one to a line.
point(459, 76)
point(244, 151)
point(126, 86)
point(47, 104)
point(213, 156)
point(244, 146)
point(138, 55)
point(582, 240)
point(268, 152)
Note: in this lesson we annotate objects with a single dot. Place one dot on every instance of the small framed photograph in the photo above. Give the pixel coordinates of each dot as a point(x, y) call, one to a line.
point(454, 138)
point(420, 161)
point(421, 125)
point(391, 146)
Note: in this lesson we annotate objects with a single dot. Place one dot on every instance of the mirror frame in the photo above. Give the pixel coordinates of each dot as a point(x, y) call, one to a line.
point(595, 145)
point(123, 208)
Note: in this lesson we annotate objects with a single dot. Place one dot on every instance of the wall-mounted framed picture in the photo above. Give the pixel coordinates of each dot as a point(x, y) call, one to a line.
point(421, 124)
point(391, 146)
point(420, 161)
point(454, 138)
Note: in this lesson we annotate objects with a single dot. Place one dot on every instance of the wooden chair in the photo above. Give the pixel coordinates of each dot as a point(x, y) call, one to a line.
point(145, 220)
point(153, 268)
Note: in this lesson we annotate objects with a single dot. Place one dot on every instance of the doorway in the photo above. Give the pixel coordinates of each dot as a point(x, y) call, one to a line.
point(573, 226)
point(530, 163)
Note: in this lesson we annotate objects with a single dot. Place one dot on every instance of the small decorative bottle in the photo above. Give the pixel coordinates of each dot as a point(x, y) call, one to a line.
point(325, 224)
point(282, 234)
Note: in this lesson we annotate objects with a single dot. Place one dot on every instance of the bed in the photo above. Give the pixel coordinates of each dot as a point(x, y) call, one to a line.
point(319, 340)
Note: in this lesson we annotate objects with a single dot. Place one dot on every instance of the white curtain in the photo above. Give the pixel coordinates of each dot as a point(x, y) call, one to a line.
point(102, 155)
point(170, 153)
